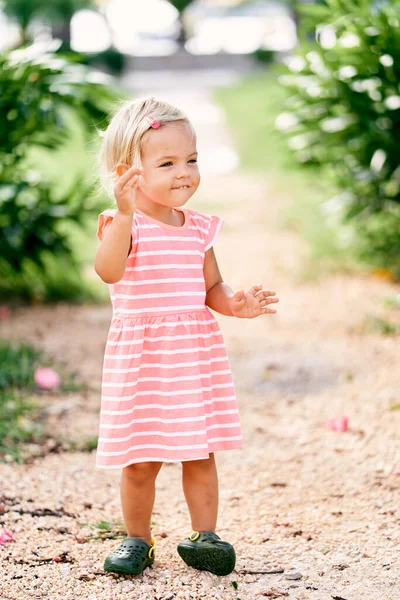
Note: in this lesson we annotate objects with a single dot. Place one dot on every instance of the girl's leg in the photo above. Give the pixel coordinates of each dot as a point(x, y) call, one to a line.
point(138, 489)
point(200, 486)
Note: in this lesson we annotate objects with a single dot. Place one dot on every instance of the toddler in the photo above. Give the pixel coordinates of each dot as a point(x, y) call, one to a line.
point(167, 390)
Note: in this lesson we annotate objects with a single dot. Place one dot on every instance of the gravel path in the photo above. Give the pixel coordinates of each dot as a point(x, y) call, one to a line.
point(318, 507)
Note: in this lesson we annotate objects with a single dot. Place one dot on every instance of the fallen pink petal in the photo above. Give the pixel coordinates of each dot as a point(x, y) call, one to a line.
point(339, 424)
point(46, 378)
point(4, 313)
point(6, 536)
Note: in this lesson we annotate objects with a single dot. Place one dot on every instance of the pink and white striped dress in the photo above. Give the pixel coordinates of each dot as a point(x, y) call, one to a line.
point(167, 390)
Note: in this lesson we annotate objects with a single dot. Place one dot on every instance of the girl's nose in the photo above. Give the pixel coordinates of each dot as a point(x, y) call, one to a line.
point(183, 171)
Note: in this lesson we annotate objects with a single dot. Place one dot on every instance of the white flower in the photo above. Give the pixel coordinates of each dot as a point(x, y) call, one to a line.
point(347, 72)
point(295, 63)
point(337, 123)
point(392, 102)
point(298, 142)
point(32, 52)
point(375, 95)
point(349, 40)
point(316, 63)
point(386, 60)
point(363, 85)
point(371, 31)
point(314, 90)
point(285, 121)
point(378, 160)
point(326, 36)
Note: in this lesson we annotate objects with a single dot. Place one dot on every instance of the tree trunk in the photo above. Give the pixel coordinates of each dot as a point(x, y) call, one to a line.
point(182, 34)
point(62, 31)
point(24, 35)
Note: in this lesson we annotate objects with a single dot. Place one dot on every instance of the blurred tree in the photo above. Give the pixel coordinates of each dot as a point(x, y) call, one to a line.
point(57, 12)
point(60, 12)
point(23, 12)
point(344, 115)
point(180, 6)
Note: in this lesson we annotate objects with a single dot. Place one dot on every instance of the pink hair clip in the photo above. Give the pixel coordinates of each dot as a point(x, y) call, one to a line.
point(152, 121)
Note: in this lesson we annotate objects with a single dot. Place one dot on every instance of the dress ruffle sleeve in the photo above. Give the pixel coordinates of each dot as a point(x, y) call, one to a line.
point(104, 219)
point(215, 225)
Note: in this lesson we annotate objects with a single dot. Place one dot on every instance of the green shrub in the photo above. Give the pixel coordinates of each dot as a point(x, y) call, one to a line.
point(343, 115)
point(264, 56)
point(111, 59)
point(38, 93)
point(20, 414)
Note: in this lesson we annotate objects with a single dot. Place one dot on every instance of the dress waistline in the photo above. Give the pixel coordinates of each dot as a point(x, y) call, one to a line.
point(118, 315)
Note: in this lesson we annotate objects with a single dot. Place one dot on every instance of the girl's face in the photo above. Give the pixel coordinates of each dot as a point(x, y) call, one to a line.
point(169, 160)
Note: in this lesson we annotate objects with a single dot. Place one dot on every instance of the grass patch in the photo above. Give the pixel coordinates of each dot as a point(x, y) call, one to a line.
point(87, 445)
point(374, 324)
point(20, 414)
point(252, 106)
point(106, 530)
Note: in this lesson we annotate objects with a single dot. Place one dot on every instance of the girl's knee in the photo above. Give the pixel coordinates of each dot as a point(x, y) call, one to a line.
point(202, 465)
point(142, 472)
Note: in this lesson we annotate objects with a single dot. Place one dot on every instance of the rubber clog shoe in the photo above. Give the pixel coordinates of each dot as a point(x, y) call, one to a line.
point(204, 550)
point(131, 557)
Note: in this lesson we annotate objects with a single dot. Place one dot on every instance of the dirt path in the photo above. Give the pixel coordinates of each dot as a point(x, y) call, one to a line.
point(299, 497)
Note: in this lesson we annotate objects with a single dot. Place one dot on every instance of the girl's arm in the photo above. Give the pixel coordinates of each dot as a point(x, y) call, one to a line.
point(222, 299)
point(218, 293)
point(114, 249)
point(116, 241)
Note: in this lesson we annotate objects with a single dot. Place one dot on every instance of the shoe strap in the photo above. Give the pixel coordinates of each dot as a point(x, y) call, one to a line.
point(152, 550)
point(195, 535)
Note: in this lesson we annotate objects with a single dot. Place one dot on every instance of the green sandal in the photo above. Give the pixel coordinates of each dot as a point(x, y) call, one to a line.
point(204, 550)
point(131, 557)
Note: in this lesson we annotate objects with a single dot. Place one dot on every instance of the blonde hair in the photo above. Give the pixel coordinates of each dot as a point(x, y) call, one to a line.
point(123, 139)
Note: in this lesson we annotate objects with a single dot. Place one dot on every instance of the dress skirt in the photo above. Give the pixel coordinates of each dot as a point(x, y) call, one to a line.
point(167, 391)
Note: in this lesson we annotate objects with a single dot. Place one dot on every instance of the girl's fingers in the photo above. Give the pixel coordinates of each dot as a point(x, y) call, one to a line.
point(131, 182)
point(128, 174)
point(266, 301)
point(239, 296)
point(255, 289)
point(268, 311)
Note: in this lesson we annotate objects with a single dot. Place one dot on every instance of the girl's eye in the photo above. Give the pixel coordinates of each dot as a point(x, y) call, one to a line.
point(169, 163)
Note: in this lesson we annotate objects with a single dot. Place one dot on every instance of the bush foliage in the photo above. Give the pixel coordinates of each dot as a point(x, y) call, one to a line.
point(343, 115)
point(37, 93)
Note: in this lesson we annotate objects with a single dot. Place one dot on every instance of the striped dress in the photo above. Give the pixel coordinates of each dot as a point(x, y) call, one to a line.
point(167, 390)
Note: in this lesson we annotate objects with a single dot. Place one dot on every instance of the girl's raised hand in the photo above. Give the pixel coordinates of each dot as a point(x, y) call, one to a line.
point(252, 304)
point(125, 190)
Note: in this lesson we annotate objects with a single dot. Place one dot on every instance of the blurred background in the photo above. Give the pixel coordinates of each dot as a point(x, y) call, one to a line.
point(64, 64)
point(302, 96)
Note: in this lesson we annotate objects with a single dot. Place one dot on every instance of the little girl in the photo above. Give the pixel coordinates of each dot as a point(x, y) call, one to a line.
point(167, 391)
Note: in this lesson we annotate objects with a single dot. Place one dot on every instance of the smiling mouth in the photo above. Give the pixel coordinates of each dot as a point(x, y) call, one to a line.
point(182, 187)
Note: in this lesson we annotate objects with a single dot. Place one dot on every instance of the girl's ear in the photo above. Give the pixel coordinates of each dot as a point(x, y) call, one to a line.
point(121, 168)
